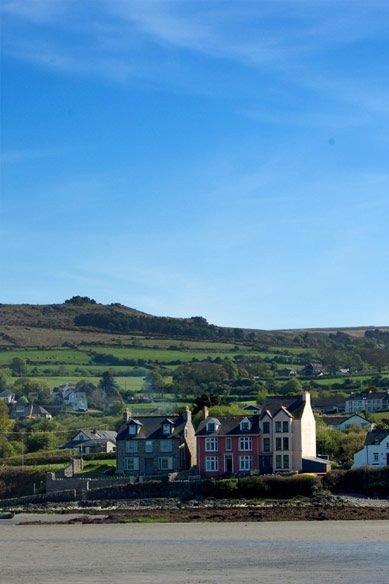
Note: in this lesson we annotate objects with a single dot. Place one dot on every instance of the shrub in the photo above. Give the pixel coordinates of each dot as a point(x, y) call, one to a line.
point(279, 486)
point(366, 480)
point(16, 482)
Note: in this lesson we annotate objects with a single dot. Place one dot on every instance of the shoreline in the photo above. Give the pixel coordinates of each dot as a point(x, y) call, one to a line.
point(208, 510)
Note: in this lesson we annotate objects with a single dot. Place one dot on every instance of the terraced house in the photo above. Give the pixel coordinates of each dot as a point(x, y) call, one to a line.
point(155, 445)
point(280, 439)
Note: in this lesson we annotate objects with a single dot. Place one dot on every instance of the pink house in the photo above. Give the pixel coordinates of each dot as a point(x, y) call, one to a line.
point(228, 445)
point(281, 438)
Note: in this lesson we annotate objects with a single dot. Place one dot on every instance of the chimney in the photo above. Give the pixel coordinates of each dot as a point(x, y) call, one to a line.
point(126, 415)
point(307, 397)
point(187, 414)
point(205, 412)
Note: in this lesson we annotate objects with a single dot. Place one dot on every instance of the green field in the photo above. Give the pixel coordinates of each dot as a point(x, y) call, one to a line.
point(60, 355)
point(124, 383)
point(165, 355)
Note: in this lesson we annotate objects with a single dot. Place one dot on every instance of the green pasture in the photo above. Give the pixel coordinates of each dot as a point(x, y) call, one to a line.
point(58, 355)
point(165, 355)
point(198, 345)
point(78, 370)
point(124, 383)
point(337, 379)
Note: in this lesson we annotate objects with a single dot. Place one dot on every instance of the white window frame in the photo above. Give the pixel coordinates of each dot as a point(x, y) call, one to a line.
point(278, 426)
point(245, 462)
point(166, 428)
point(279, 461)
point(245, 443)
point(165, 463)
point(267, 442)
point(131, 446)
point(245, 426)
point(211, 464)
point(228, 443)
point(278, 444)
point(285, 458)
point(211, 444)
point(148, 446)
point(132, 429)
point(165, 446)
point(134, 466)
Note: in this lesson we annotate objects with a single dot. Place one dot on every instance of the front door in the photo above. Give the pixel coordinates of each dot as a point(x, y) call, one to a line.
point(149, 466)
point(228, 469)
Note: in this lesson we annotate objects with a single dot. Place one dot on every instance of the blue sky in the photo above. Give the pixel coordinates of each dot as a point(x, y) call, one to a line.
point(220, 158)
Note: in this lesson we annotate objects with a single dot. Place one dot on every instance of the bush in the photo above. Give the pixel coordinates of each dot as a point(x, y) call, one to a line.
point(279, 486)
point(255, 487)
point(15, 482)
point(366, 481)
point(223, 488)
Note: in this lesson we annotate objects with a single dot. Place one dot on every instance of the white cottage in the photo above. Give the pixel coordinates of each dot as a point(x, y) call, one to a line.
point(376, 450)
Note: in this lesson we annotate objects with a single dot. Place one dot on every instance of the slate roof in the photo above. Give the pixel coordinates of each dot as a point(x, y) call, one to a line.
point(327, 402)
point(369, 395)
point(151, 428)
point(376, 437)
point(94, 438)
point(229, 425)
point(28, 411)
point(336, 420)
point(294, 405)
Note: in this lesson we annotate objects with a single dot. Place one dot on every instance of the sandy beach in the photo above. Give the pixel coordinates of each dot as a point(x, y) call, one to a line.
point(288, 552)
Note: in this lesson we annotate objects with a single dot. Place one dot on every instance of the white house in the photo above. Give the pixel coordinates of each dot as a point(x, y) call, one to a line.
point(76, 400)
point(367, 401)
point(376, 450)
point(8, 397)
point(345, 422)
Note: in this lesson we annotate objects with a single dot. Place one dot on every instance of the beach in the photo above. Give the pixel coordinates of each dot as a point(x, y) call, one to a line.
point(347, 552)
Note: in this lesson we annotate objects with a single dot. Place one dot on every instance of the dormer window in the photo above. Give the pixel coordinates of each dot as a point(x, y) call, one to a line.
point(213, 425)
point(166, 428)
point(245, 425)
point(132, 429)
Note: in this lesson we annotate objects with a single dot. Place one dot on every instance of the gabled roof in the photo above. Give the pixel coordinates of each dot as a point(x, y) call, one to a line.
point(94, 438)
point(6, 393)
point(336, 420)
point(376, 437)
point(151, 428)
point(293, 405)
point(229, 425)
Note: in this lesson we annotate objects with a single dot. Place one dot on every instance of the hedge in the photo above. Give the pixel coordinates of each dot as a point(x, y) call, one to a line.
point(16, 482)
point(264, 486)
point(365, 480)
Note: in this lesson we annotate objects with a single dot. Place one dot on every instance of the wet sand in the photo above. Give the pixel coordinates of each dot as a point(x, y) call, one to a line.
point(313, 552)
